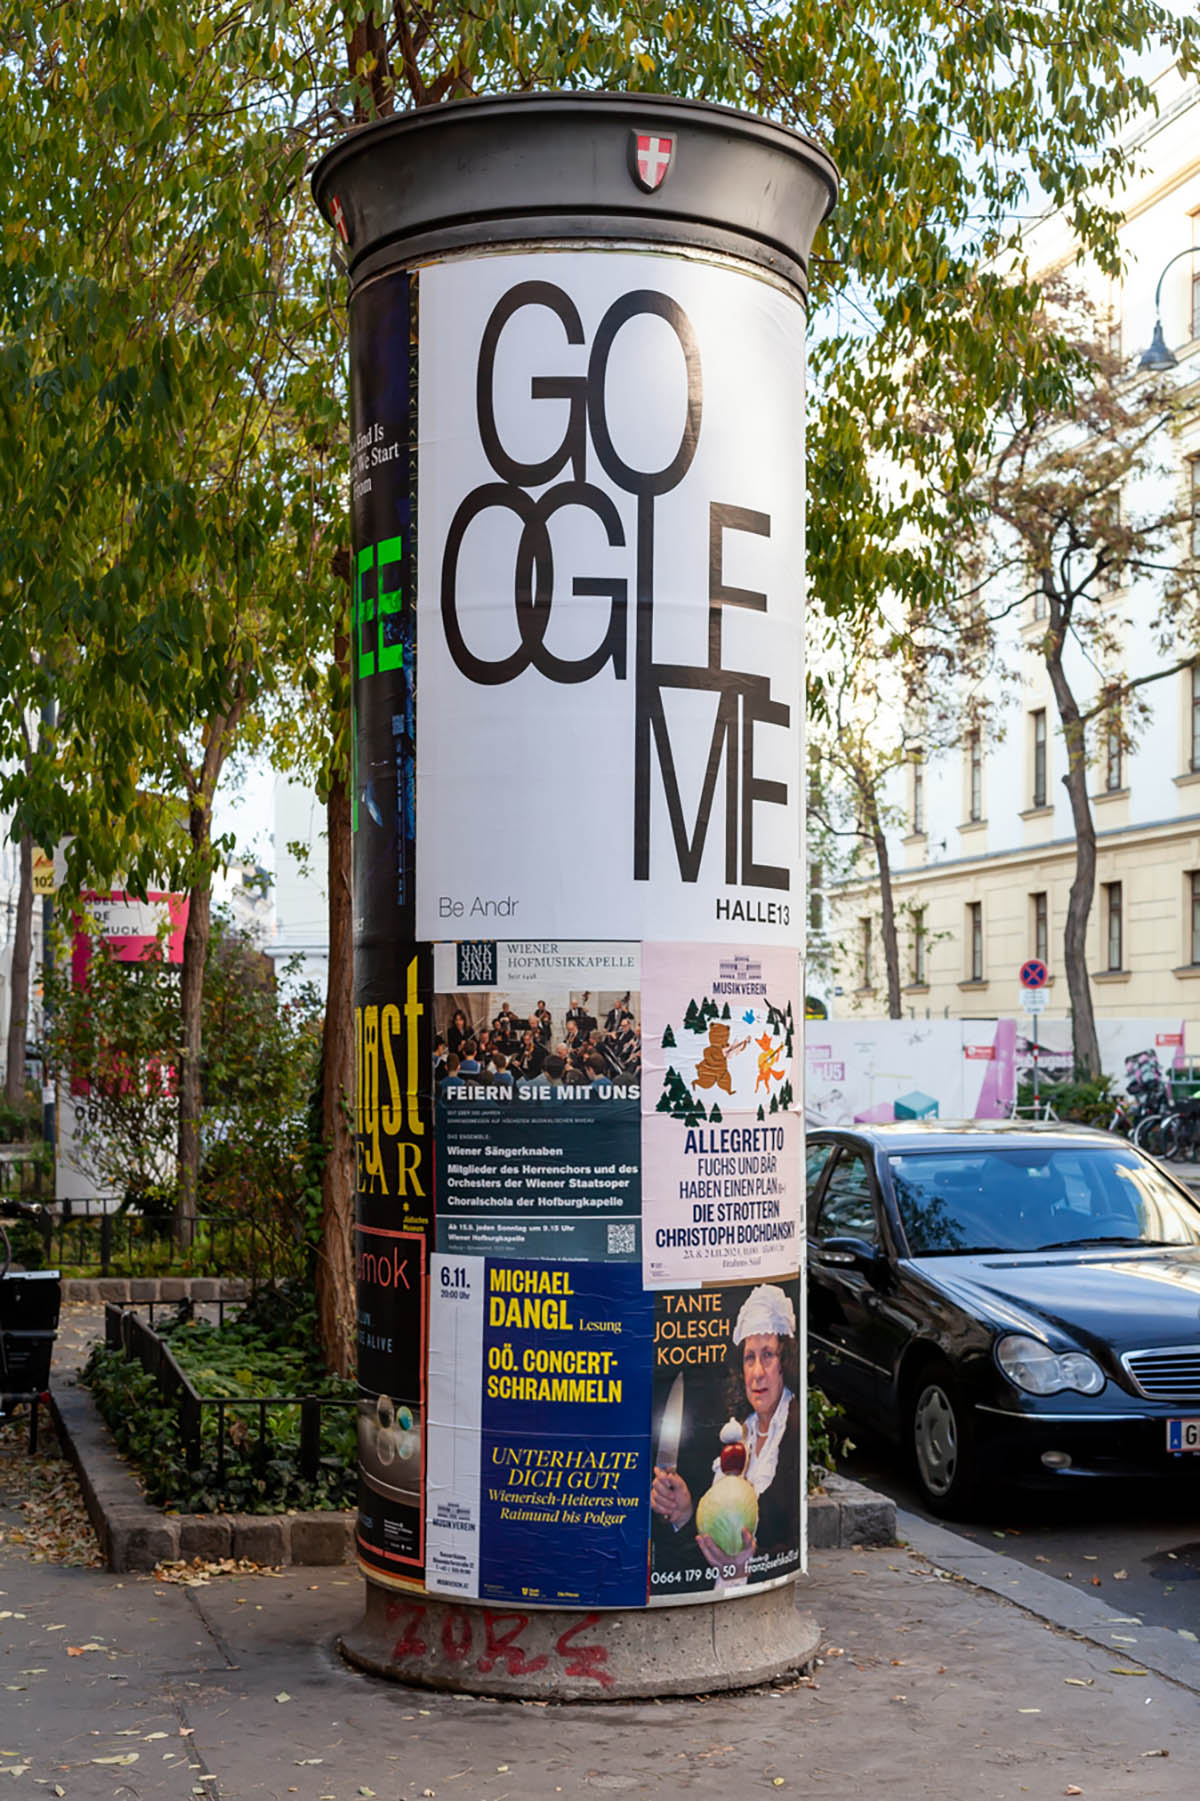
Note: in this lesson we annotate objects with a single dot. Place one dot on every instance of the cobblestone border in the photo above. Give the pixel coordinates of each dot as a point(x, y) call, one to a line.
point(154, 1288)
point(135, 1536)
point(845, 1513)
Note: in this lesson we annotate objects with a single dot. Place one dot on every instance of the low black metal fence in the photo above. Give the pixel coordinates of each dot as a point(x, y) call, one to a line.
point(147, 1244)
point(22, 1171)
point(212, 1421)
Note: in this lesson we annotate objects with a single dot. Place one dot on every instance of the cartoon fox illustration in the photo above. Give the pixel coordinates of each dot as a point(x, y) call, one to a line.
point(768, 1055)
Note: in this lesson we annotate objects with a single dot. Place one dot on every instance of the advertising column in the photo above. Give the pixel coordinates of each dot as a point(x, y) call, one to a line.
point(577, 490)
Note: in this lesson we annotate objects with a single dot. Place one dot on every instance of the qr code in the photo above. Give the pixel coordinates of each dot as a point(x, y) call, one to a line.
point(622, 1240)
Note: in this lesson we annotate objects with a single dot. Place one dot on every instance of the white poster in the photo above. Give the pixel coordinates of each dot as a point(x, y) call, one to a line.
point(454, 1408)
point(610, 596)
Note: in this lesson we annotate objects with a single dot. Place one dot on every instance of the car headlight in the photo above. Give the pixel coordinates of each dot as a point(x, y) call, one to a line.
point(1037, 1369)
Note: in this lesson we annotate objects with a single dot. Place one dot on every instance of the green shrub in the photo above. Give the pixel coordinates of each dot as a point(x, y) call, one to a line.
point(1089, 1102)
point(23, 1123)
point(826, 1443)
point(257, 1356)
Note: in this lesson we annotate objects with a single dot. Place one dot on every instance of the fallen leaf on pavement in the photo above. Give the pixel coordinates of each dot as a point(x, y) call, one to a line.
point(1156, 1754)
point(1072, 1788)
point(1120, 1575)
point(125, 1757)
point(1029, 1710)
point(283, 1695)
point(1115, 1670)
point(1079, 1681)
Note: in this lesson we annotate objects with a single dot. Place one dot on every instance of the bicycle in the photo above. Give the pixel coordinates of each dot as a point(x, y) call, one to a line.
point(1154, 1103)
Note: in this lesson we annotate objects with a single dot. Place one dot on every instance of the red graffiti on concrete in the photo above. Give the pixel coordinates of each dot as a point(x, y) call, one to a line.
point(501, 1633)
point(505, 1646)
point(584, 1660)
point(456, 1636)
point(410, 1643)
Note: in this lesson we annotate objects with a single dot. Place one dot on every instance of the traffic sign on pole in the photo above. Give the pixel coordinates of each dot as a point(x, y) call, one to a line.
point(1035, 1000)
point(1033, 973)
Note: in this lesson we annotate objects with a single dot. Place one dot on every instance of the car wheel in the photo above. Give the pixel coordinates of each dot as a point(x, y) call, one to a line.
point(940, 1442)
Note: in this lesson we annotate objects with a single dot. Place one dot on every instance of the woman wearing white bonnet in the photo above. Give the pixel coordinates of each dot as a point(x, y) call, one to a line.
point(767, 1375)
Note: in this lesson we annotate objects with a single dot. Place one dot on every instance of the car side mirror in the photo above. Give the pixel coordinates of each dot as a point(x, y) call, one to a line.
point(848, 1253)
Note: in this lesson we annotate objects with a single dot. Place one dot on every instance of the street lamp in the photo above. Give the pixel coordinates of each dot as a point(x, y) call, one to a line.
point(1159, 355)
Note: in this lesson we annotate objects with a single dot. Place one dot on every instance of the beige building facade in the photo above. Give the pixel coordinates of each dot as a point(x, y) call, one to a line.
point(983, 856)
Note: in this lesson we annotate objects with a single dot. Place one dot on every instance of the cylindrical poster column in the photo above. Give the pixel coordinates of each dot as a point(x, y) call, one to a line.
point(577, 352)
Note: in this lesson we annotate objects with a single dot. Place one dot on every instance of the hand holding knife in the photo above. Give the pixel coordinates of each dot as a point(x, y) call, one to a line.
point(669, 1493)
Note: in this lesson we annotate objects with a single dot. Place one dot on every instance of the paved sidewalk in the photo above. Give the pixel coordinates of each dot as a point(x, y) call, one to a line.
point(933, 1686)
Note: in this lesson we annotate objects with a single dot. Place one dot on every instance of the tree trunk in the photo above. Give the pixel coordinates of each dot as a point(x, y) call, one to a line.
point(191, 992)
point(1085, 1045)
point(22, 956)
point(887, 905)
point(337, 1305)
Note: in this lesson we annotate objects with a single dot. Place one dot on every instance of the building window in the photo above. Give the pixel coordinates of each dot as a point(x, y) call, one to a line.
point(1041, 926)
point(1113, 922)
point(918, 947)
point(1194, 493)
point(974, 775)
point(816, 898)
point(1194, 693)
point(1114, 754)
point(1038, 723)
point(1194, 886)
point(918, 793)
point(1040, 604)
point(1196, 277)
point(975, 941)
point(864, 953)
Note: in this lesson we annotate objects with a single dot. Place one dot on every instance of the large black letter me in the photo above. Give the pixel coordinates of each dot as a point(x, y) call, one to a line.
point(743, 700)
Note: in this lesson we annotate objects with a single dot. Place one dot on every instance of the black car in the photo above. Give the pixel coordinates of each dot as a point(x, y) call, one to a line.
point(1008, 1303)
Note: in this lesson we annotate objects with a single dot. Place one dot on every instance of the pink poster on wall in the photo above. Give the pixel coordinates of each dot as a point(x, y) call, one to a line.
point(130, 928)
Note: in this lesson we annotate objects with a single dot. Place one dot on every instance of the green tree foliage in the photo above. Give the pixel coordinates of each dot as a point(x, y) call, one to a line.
point(164, 444)
point(113, 1041)
point(115, 1038)
point(170, 362)
point(1083, 516)
point(261, 1046)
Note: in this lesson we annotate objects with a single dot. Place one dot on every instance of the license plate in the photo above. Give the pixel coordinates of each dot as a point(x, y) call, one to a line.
point(1183, 1435)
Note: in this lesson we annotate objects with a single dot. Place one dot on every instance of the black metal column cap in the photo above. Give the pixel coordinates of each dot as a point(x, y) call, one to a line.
point(513, 168)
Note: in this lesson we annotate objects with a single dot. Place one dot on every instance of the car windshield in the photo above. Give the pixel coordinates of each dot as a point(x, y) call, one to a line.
point(1036, 1199)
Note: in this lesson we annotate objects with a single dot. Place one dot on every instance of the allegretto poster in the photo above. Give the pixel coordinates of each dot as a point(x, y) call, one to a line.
point(577, 657)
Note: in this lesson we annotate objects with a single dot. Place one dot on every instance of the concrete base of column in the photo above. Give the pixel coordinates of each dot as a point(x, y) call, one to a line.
point(551, 1654)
